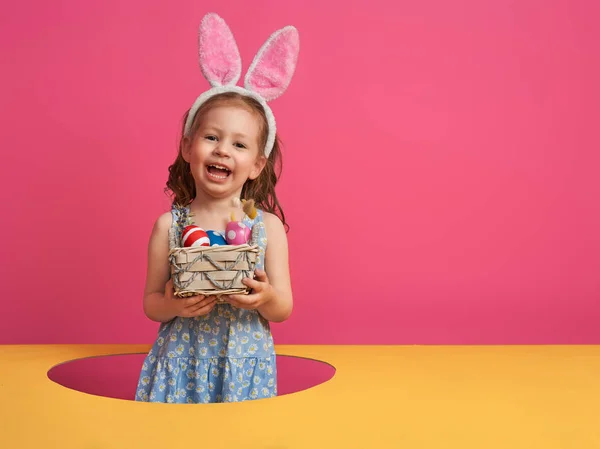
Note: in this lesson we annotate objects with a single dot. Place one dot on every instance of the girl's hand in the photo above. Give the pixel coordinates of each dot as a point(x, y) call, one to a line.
point(188, 307)
point(262, 292)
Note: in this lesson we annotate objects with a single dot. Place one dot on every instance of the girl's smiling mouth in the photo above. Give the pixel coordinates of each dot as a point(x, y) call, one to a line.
point(219, 172)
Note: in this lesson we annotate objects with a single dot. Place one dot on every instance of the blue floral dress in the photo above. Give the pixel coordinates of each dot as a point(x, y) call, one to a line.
point(225, 356)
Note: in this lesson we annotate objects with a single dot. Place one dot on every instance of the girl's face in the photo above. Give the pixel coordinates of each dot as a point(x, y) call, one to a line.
point(224, 152)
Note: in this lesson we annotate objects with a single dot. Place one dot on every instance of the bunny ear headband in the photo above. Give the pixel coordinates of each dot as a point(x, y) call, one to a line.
point(267, 78)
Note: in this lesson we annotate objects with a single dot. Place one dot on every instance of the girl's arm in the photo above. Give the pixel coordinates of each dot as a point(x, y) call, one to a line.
point(158, 272)
point(280, 301)
point(160, 304)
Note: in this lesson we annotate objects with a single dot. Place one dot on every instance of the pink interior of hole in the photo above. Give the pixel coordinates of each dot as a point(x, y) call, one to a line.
point(116, 376)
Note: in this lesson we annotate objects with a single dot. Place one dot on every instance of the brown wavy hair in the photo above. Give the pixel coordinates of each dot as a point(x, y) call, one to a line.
point(180, 185)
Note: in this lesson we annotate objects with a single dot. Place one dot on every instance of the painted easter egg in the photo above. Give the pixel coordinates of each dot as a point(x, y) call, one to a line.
point(216, 238)
point(193, 235)
point(237, 233)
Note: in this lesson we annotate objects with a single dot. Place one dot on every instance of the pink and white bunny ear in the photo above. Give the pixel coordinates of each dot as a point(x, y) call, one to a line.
point(273, 66)
point(219, 57)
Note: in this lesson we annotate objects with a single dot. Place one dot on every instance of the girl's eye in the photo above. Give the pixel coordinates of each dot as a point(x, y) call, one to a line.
point(240, 145)
point(211, 138)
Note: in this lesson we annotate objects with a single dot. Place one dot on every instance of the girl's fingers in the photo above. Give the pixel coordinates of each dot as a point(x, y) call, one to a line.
point(193, 301)
point(208, 301)
point(261, 275)
point(253, 284)
point(244, 301)
point(203, 302)
point(203, 310)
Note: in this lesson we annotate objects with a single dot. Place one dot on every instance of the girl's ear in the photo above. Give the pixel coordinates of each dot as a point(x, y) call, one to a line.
point(259, 165)
point(186, 148)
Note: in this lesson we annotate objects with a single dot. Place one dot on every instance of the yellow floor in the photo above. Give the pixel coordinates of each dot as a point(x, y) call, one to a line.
point(381, 397)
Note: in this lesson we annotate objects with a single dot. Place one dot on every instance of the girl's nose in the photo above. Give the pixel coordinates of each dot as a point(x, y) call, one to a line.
point(221, 149)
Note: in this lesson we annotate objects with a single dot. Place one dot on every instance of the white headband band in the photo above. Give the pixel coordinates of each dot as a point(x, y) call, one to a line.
point(267, 78)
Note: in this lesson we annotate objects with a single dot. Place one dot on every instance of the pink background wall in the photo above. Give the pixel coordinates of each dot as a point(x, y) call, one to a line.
point(455, 142)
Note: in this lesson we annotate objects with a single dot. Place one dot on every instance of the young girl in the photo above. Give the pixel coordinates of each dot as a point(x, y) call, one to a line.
point(208, 350)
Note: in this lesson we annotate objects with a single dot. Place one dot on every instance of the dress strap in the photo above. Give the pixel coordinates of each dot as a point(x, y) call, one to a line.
point(259, 234)
point(181, 218)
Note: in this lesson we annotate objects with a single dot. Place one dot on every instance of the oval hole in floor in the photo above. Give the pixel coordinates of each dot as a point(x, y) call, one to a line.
point(116, 376)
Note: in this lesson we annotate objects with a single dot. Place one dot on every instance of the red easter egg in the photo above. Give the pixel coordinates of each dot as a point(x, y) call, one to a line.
point(193, 235)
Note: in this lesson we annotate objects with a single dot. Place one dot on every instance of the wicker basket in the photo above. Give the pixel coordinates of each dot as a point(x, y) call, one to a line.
point(213, 270)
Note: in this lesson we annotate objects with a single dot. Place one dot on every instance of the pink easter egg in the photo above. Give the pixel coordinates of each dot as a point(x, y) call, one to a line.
point(237, 233)
point(193, 236)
